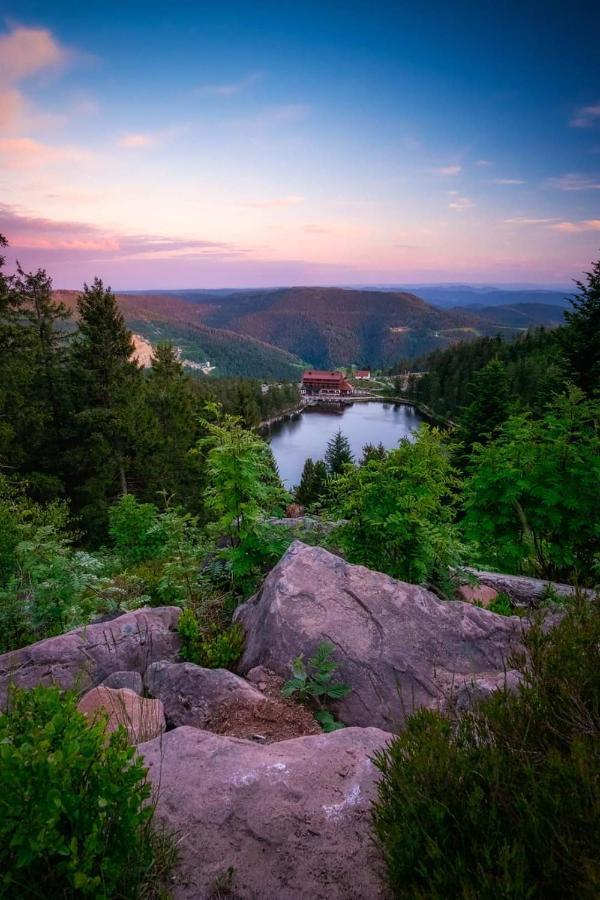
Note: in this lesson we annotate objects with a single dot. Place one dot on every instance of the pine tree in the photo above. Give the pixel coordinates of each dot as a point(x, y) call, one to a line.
point(489, 406)
point(106, 386)
point(580, 338)
point(338, 454)
point(304, 494)
point(171, 430)
point(372, 452)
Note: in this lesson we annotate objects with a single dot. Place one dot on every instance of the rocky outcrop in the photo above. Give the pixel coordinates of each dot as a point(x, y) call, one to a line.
point(86, 656)
point(289, 820)
point(194, 696)
point(473, 692)
point(143, 719)
point(523, 591)
point(131, 680)
point(397, 645)
point(480, 594)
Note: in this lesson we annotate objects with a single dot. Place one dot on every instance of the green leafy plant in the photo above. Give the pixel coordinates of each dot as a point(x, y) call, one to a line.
point(502, 605)
point(313, 684)
point(75, 816)
point(505, 801)
point(207, 640)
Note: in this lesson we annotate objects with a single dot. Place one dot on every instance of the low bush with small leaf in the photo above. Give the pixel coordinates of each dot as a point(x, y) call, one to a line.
point(75, 812)
point(504, 802)
point(313, 683)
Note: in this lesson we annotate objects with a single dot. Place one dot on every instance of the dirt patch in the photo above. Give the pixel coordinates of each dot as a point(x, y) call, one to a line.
point(274, 720)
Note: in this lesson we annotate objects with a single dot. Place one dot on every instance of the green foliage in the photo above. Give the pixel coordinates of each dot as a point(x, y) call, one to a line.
point(313, 684)
point(74, 814)
point(502, 605)
point(580, 338)
point(313, 486)
point(135, 529)
point(505, 802)
point(489, 405)
point(338, 454)
point(208, 641)
point(372, 452)
point(533, 496)
point(399, 511)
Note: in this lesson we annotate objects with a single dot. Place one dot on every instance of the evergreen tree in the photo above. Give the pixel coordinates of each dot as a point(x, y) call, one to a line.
point(172, 430)
point(338, 454)
point(580, 338)
point(106, 387)
point(489, 406)
point(304, 494)
point(372, 451)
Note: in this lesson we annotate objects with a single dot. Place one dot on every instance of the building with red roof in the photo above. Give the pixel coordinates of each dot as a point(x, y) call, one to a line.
point(325, 383)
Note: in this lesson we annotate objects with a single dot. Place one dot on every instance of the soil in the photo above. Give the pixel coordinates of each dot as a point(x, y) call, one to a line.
point(274, 720)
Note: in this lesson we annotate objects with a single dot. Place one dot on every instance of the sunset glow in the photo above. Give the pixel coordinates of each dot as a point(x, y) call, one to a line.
point(299, 143)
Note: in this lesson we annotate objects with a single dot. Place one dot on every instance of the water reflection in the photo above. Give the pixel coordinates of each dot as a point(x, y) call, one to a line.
point(307, 434)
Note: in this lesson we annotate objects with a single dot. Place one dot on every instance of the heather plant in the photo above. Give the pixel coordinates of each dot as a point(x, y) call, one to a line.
point(75, 812)
point(505, 801)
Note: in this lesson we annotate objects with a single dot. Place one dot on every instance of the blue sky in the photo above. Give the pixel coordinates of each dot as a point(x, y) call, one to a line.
point(283, 143)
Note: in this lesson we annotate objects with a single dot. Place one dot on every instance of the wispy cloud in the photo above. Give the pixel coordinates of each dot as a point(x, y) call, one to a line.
point(461, 204)
point(508, 181)
point(65, 240)
point(577, 227)
point(573, 181)
point(144, 140)
point(229, 89)
point(528, 220)
point(482, 163)
point(273, 202)
point(447, 170)
point(274, 116)
point(24, 52)
point(26, 153)
point(586, 116)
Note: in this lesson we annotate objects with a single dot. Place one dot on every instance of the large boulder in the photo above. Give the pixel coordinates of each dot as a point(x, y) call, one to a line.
point(397, 645)
point(143, 719)
point(194, 696)
point(289, 820)
point(525, 591)
point(84, 657)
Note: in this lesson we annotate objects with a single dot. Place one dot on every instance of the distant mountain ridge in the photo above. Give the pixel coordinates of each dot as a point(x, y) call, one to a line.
point(272, 333)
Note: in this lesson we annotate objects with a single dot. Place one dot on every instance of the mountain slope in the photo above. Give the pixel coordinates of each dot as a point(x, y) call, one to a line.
point(158, 317)
point(333, 326)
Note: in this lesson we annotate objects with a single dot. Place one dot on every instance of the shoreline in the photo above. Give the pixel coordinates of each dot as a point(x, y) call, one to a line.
point(348, 401)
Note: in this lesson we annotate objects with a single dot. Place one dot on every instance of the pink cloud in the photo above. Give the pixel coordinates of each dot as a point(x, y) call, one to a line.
point(447, 170)
point(577, 227)
point(26, 51)
point(274, 203)
point(136, 141)
point(586, 116)
point(231, 88)
point(27, 153)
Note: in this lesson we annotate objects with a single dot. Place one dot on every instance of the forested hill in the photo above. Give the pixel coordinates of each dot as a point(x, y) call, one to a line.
point(159, 317)
point(332, 326)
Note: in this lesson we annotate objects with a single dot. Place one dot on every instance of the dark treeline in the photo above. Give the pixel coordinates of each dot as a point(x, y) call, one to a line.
point(81, 421)
point(534, 366)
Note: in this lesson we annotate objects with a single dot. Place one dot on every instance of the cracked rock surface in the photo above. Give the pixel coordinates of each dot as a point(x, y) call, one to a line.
point(285, 821)
point(397, 645)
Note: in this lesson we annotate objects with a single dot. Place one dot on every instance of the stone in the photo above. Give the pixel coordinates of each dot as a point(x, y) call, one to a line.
point(289, 820)
point(397, 645)
point(193, 695)
point(524, 591)
point(476, 593)
point(131, 680)
point(470, 693)
point(86, 656)
point(144, 719)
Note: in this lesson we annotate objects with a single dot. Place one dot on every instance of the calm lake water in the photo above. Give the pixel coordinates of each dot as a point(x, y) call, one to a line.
point(293, 440)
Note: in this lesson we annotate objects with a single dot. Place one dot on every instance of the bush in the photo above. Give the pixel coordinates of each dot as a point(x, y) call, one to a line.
point(74, 814)
point(504, 803)
point(208, 639)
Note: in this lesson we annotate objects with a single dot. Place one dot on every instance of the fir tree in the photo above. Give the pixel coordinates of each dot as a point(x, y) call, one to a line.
point(372, 452)
point(489, 406)
point(580, 339)
point(106, 386)
point(338, 454)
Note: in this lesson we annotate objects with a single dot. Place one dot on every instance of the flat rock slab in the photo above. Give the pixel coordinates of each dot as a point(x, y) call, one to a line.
point(86, 656)
point(291, 819)
point(143, 719)
point(397, 645)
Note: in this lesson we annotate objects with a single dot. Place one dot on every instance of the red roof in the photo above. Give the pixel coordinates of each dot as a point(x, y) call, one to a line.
point(334, 377)
point(363, 372)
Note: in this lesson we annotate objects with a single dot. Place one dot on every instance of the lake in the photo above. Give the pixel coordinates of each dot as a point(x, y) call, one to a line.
point(293, 440)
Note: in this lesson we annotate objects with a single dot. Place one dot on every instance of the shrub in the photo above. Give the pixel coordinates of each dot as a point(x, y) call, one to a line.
point(505, 802)
point(314, 684)
point(74, 814)
point(207, 639)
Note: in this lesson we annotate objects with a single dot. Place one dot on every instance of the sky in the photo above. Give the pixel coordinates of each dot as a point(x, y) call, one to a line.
point(192, 144)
